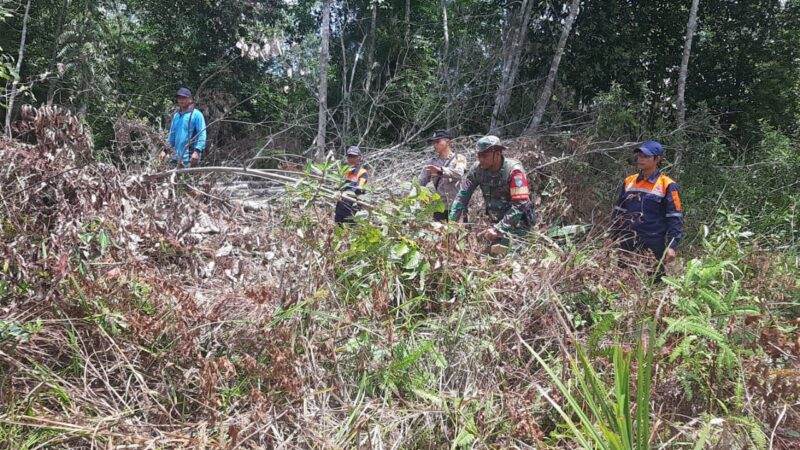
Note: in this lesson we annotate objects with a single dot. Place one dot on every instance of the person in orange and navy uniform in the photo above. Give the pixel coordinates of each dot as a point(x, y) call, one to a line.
point(648, 214)
point(355, 180)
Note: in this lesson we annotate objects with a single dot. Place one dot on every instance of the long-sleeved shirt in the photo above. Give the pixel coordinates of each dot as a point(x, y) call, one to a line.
point(651, 208)
point(505, 193)
point(187, 134)
point(355, 180)
point(448, 183)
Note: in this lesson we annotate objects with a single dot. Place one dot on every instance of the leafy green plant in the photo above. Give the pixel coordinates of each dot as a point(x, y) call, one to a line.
point(404, 371)
point(400, 369)
point(381, 255)
point(7, 71)
point(616, 113)
point(731, 432)
point(96, 238)
point(606, 416)
point(8, 286)
point(113, 322)
point(708, 297)
point(140, 292)
point(12, 330)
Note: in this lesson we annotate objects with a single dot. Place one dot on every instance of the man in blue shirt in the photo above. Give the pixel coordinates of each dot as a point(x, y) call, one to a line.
point(187, 133)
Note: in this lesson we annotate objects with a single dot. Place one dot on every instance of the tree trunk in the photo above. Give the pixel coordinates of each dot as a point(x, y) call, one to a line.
point(323, 79)
point(511, 59)
point(18, 68)
point(687, 51)
point(371, 50)
point(408, 20)
point(444, 66)
point(345, 90)
point(446, 32)
point(82, 98)
point(51, 89)
point(538, 112)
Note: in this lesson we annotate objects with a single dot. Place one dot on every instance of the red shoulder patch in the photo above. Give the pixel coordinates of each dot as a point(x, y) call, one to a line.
point(519, 186)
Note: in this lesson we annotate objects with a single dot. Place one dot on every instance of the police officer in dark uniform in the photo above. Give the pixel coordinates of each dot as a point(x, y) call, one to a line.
point(445, 171)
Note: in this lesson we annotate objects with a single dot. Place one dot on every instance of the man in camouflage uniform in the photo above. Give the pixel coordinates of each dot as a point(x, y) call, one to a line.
point(505, 192)
point(446, 171)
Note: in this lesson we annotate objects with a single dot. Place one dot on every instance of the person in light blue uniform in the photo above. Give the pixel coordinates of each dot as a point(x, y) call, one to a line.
point(187, 133)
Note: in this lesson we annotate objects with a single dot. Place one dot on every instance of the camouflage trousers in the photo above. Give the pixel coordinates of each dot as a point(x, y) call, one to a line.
point(515, 239)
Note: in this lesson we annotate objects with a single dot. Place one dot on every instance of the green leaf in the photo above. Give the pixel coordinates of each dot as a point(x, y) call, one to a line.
point(104, 241)
point(644, 357)
point(399, 250)
point(568, 230)
point(441, 362)
point(413, 260)
point(464, 438)
point(430, 397)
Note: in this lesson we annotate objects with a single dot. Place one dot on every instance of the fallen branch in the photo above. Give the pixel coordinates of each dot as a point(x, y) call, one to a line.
point(266, 174)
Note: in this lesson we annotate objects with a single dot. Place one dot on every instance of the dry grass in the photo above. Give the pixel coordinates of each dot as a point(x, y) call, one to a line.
point(161, 317)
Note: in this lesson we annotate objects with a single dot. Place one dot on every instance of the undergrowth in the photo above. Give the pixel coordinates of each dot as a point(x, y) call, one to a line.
point(134, 317)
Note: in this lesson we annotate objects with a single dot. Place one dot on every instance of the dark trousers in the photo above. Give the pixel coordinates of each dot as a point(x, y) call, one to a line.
point(657, 246)
point(344, 212)
point(441, 216)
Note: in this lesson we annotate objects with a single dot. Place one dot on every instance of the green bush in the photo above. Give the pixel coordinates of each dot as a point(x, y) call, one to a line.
point(707, 299)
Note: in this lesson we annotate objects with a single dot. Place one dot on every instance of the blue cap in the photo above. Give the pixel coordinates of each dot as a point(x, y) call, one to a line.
point(651, 148)
point(353, 151)
point(183, 92)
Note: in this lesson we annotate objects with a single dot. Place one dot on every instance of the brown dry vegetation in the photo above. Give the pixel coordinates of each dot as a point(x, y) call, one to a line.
point(142, 313)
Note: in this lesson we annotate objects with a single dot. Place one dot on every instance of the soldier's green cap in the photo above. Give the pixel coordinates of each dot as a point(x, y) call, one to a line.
point(487, 143)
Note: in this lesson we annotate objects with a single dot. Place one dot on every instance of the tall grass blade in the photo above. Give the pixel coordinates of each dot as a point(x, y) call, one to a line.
point(644, 356)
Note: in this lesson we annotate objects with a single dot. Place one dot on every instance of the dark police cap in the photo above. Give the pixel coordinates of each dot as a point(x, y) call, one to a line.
point(440, 134)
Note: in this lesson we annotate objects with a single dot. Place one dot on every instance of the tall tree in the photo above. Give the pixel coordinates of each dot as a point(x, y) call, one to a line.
point(547, 91)
point(445, 70)
point(445, 32)
point(62, 12)
point(512, 54)
point(345, 104)
point(15, 84)
point(373, 23)
point(728, 69)
point(408, 21)
point(687, 50)
point(323, 79)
